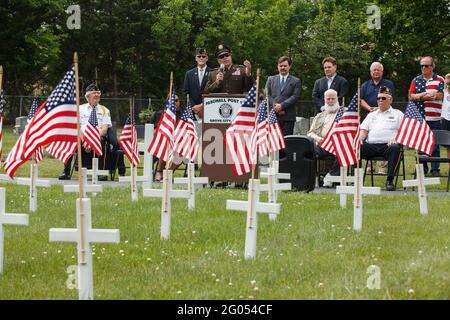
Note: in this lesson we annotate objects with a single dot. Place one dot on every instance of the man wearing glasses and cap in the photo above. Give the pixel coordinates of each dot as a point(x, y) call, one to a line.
point(195, 81)
point(229, 77)
point(427, 91)
point(380, 128)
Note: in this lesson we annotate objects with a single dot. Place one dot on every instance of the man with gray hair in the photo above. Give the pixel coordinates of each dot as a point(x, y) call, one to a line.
point(370, 88)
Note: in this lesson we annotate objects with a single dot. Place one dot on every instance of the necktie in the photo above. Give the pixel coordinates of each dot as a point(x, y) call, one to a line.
point(200, 76)
point(283, 82)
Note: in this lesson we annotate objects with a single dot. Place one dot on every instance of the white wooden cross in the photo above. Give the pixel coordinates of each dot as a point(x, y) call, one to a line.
point(84, 236)
point(95, 172)
point(133, 179)
point(33, 181)
point(420, 182)
point(166, 193)
point(358, 190)
point(192, 182)
point(342, 179)
point(6, 178)
point(7, 218)
point(86, 187)
point(253, 208)
point(272, 186)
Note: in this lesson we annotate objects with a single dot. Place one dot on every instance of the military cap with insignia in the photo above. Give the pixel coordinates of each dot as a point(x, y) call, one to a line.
point(92, 87)
point(221, 49)
point(385, 90)
point(201, 51)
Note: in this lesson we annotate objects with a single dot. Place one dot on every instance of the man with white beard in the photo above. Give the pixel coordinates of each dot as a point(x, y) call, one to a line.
point(319, 128)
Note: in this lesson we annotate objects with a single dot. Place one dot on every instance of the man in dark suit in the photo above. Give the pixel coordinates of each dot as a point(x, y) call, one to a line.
point(284, 91)
point(195, 81)
point(330, 81)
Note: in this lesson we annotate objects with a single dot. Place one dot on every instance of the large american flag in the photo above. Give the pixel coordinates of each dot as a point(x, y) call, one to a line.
point(128, 142)
point(263, 140)
point(327, 141)
point(162, 143)
point(414, 132)
point(91, 134)
point(1, 124)
point(55, 120)
point(186, 139)
point(39, 154)
point(238, 135)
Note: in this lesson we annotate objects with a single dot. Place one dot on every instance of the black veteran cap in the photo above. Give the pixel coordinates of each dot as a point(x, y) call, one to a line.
point(92, 87)
point(201, 51)
point(385, 90)
point(222, 49)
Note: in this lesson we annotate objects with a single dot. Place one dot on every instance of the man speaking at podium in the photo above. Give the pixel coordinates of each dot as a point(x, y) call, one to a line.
point(229, 77)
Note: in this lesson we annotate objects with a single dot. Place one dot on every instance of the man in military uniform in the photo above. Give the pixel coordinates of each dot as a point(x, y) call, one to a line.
point(229, 77)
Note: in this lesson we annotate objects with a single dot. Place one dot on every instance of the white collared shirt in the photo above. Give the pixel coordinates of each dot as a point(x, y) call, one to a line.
point(103, 115)
point(285, 78)
point(382, 126)
point(330, 81)
point(201, 73)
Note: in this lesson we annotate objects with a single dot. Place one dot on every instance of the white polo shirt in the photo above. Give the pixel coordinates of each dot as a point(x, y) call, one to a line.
point(382, 126)
point(103, 115)
point(446, 106)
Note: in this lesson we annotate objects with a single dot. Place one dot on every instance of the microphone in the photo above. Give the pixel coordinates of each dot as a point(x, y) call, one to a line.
point(222, 67)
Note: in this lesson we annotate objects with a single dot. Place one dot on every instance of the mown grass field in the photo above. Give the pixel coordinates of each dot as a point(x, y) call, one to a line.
point(309, 252)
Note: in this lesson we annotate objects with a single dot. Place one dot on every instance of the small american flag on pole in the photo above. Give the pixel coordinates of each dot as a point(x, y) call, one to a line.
point(238, 135)
point(186, 139)
point(128, 142)
point(414, 132)
point(55, 120)
point(91, 134)
point(327, 142)
point(39, 154)
point(162, 143)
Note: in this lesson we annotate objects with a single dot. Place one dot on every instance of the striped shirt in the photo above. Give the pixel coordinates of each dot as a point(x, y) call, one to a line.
point(431, 110)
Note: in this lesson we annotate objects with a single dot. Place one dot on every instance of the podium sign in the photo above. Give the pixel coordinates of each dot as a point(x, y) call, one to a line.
point(218, 112)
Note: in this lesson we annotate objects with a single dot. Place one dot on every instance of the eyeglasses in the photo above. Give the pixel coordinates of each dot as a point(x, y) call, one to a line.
point(425, 65)
point(201, 57)
point(225, 55)
point(381, 98)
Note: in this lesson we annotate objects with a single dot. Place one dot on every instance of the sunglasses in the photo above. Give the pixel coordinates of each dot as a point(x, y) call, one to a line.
point(381, 98)
point(225, 55)
point(425, 65)
point(201, 57)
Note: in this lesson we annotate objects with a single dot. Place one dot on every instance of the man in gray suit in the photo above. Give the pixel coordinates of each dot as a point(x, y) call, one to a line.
point(284, 92)
point(331, 81)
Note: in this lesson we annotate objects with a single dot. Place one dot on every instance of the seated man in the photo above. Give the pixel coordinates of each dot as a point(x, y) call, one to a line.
point(380, 128)
point(319, 128)
point(108, 137)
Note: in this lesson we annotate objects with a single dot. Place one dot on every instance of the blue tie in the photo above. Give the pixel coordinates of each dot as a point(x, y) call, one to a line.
point(283, 82)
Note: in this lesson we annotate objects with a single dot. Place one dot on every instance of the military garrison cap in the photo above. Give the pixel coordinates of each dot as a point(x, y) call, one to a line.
point(201, 51)
point(92, 87)
point(385, 90)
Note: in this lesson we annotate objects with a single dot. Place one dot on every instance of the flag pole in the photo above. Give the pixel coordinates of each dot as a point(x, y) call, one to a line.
point(269, 176)
point(1, 79)
point(166, 170)
point(357, 186)
point(80, 163)
point(170, 97)
point(133, 168)
point(252, 191)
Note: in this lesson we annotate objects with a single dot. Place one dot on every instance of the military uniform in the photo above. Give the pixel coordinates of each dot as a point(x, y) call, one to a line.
point(235, 81)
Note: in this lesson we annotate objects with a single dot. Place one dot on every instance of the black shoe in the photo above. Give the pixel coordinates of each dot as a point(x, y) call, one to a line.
point(436, 173)
point(64, 176)
point(390, 186)
point(102, 178)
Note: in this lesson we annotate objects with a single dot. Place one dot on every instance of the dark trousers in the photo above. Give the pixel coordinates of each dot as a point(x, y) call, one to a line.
point(390, 153)
point(287, 127)
point(434, 125)
point(321, 153)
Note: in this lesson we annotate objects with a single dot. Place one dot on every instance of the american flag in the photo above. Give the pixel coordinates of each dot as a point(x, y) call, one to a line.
point(62, 150)
point(39, 154)
point(128, 142)
point(1, 124)
point(260, 135)
point(91, 134)
point(162, 143)
point(55, 120)
point(414, 132)
point(186, 139)
point(238, 135)
point(327, 141)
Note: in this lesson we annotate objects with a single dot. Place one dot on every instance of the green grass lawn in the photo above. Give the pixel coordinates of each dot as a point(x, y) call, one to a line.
point(309, 252)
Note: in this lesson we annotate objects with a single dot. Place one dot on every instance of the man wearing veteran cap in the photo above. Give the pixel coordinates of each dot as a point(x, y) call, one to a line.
point(195, 81)
point(92, 96)
point(229, 77)
point(380, 128)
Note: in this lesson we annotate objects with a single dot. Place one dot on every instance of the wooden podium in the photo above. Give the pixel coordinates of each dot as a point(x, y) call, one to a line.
point(219, 110)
